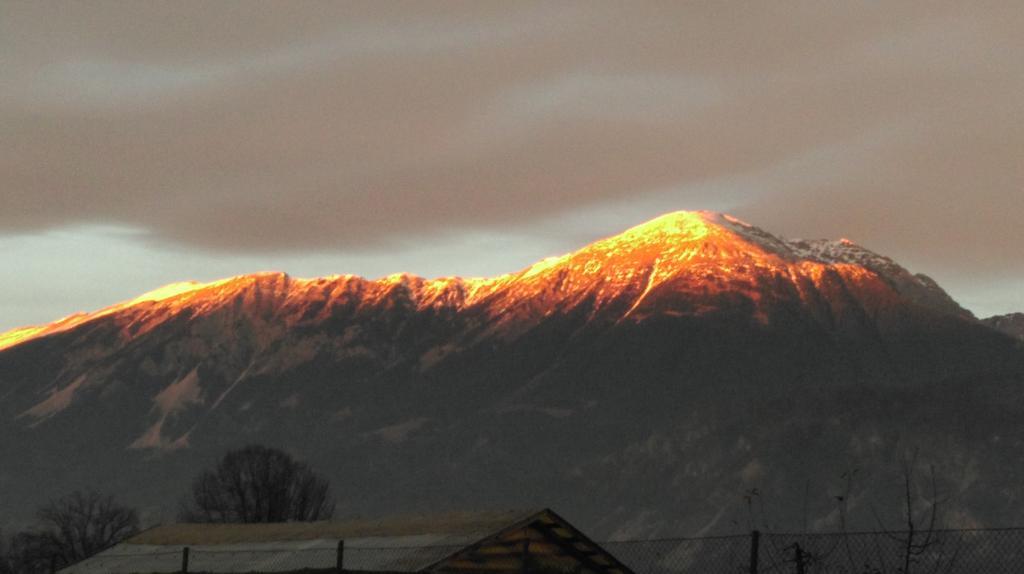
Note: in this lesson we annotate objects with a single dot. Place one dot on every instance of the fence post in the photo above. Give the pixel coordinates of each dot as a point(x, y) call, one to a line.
point(525, 568)
point(799, 558)
point(184, 560)
point(755, 550)
point(53, 564)
point(340, 559)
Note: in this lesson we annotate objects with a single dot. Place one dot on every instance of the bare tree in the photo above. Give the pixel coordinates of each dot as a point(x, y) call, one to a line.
point(70, 529)
point(921, 511)
point(916, 539)
point(914, 544)
point(258, 484)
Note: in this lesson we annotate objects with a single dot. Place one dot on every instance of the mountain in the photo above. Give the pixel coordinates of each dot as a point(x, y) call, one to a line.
point(1011, 324)
point(642, 384)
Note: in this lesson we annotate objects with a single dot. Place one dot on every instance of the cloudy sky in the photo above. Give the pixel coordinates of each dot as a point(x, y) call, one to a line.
point(148, 142)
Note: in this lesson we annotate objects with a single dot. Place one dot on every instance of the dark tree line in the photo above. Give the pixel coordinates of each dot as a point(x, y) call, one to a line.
point(252, 484)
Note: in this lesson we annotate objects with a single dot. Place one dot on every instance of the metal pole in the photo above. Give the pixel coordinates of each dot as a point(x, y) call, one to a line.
point(53, 563)
point(340, 561)
point(526, 557)
point(799, 559)
point(755, 546)
point(184, 560)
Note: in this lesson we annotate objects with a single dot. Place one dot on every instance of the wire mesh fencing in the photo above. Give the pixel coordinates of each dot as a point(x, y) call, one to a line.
point(939, 551)
point(924, 552)
point(726, 554)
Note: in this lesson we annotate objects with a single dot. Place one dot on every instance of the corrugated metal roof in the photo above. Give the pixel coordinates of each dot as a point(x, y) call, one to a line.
point(506, 542)
point(464, 523)
point(392, 544)
point(407, 554)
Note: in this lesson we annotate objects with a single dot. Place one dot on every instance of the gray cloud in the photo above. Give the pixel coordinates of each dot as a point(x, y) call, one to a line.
point(259, 127)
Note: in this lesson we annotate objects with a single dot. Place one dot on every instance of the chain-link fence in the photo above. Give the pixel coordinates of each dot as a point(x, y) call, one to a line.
point(932, 552)
point(926, 552)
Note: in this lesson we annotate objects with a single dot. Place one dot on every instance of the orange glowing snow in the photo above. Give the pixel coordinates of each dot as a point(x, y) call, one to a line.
point(699, 252)
point(15, 336)
point(23, 334)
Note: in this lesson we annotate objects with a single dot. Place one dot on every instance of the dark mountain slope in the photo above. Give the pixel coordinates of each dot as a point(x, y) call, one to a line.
point(641, 384)
point(1011, 324)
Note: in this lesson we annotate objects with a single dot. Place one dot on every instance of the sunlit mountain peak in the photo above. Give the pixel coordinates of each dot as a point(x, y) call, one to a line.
point(171, 290)
point(682, 235)
point(682, 255)
point(689, 224)
point(649, 252)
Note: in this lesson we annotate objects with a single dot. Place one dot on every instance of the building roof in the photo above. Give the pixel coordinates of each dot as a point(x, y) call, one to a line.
point(440, 543)
point(420, 527)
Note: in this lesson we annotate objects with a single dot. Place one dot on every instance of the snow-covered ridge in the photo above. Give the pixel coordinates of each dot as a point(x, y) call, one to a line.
point(836, 251)
point(646, 255)
point(915, 286)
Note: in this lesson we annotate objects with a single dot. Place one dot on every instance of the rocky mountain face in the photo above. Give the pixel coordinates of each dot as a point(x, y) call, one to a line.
point(1011, 324)
point(643, 385)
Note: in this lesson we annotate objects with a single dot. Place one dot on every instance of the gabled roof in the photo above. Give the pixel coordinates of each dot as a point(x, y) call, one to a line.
point(445, 543)
point(543, 541)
